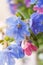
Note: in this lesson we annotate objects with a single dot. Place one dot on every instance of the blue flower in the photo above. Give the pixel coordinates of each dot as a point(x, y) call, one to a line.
point(33, 1)
point(40, 3)
point(17, 28)
point(9, 54)
point(36, 23)
point(17, 51)
point(6, 57)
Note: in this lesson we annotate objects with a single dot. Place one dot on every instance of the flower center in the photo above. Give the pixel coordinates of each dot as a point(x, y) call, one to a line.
point(19, 25)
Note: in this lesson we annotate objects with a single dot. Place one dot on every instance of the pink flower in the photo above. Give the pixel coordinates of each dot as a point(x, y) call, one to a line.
point(33, 47)
point(38, 9)
point(29, 48)
point(27, 3)
point(35, 8)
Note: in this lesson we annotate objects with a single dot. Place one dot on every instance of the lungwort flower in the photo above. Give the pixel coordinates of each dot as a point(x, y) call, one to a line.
point(29, 2)
point(8, 55)
point(39, 6)
point(12, 6)
point(28, 47)
point(17, 51)
point(36, 23)
point(16, 28)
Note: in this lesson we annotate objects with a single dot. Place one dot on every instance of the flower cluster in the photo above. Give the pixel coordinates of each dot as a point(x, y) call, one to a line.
point(39, 6)
point(36, 23)
point(19, 30)
point(20, 6)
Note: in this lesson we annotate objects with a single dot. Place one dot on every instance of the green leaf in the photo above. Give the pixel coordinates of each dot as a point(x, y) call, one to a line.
point(7, 38)
point(40, 38)
point(1, 41)
point(34, 38)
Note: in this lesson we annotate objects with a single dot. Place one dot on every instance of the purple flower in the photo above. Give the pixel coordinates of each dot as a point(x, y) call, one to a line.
point(36, 23)
point(12, 6)
point(29, 2)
